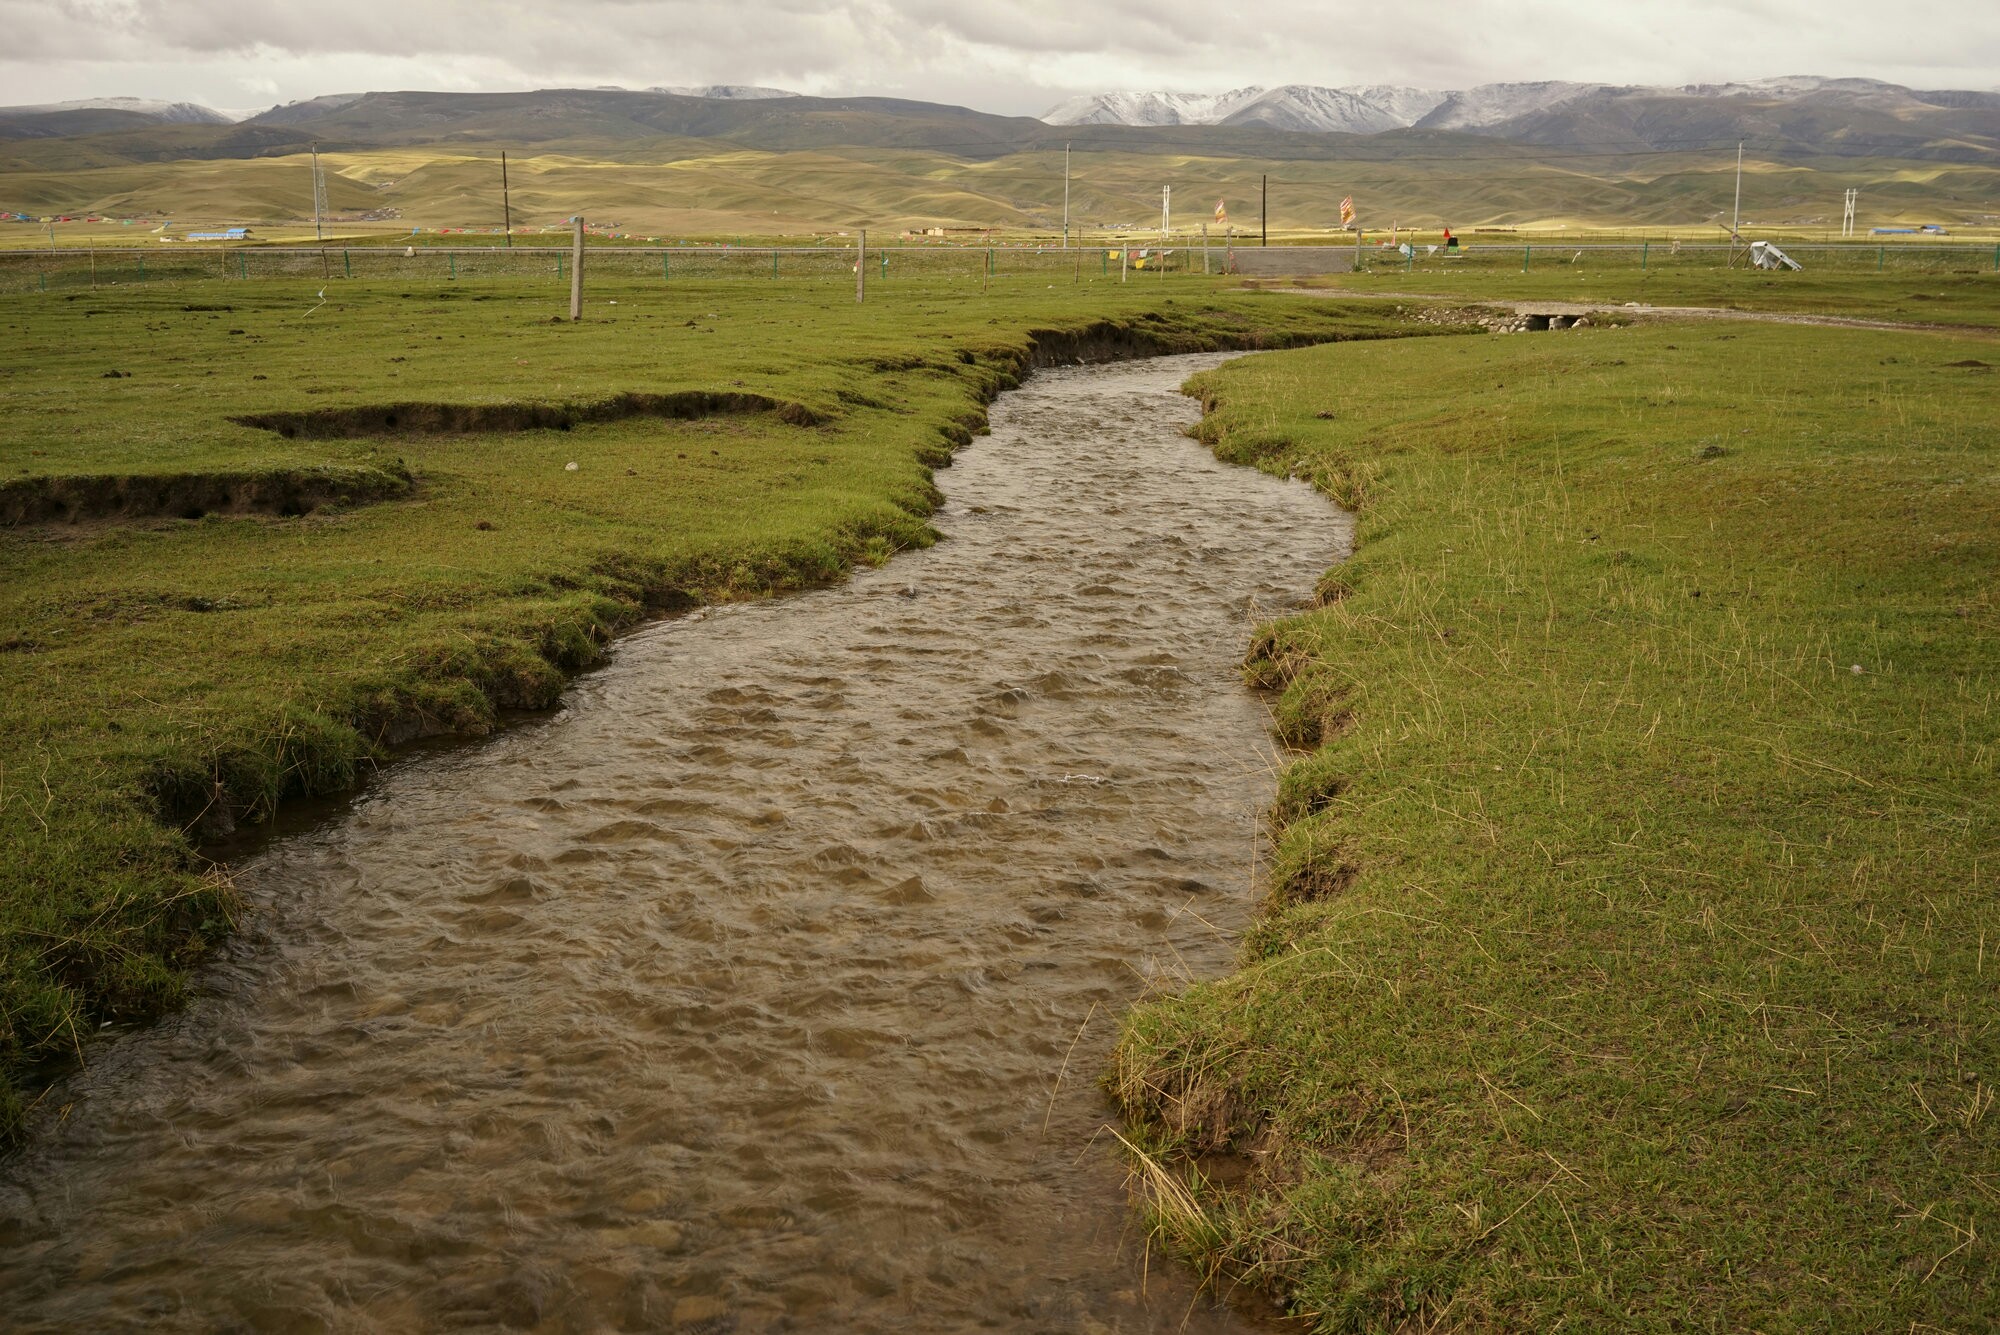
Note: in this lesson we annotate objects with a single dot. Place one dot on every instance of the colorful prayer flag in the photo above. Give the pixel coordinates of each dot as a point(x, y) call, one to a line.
point(1347, 211)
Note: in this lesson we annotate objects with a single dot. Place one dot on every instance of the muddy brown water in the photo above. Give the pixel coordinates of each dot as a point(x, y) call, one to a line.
point(764, 986)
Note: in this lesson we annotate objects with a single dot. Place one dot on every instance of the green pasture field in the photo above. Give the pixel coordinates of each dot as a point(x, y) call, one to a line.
point(1919, 283)
point(1632, 950)
point(545, 264)
point(1959, 285)
point(200, 618)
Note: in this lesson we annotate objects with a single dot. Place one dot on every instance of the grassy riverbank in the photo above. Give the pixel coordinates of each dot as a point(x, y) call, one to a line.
point(251, 539)
point(1632, 953)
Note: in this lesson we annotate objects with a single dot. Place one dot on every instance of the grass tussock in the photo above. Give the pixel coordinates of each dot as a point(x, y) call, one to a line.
point(290, 533)
point(1630, 956)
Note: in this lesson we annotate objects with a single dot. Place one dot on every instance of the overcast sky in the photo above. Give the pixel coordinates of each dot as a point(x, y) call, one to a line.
point(1012, 56)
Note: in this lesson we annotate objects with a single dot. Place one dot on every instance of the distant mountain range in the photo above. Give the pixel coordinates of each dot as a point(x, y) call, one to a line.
point(1799, 118)
point(1542, 113)
point(103, 115)
point(741, 160)
point(140, 110)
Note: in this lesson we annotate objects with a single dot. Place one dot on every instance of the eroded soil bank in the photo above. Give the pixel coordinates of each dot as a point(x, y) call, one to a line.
point(762, 988)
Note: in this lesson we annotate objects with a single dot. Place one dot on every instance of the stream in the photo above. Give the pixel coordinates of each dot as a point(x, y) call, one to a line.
point(765, 986)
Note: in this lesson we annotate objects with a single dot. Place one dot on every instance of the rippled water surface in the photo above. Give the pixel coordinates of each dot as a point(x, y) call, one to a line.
point(765, 986)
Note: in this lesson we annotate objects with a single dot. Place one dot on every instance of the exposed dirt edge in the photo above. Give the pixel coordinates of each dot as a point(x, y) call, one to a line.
point(433, 419)
point(274, 491)
point(1116, 341)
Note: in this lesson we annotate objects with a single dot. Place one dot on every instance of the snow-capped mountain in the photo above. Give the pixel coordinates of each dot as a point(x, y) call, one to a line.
point(1364, 110)
point(727, 92)
point(1794, 87)
point(1407, 105)
point(1152, 108)
point(178, 113)
point(1349, 110)
point(1492, 103)
point(1494, 108)
point(1292, 107)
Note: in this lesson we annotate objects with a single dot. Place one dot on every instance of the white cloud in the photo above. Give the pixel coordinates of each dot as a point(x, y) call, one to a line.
point(1013, 56)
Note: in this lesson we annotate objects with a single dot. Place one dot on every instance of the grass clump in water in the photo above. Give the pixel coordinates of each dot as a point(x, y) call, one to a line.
point(1630, 958)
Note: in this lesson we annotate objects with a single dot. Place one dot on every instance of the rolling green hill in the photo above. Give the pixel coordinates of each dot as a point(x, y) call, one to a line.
point(664, 164)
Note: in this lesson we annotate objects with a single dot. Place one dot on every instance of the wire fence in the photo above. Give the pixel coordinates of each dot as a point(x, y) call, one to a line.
point(50, 270)
point(47, 270)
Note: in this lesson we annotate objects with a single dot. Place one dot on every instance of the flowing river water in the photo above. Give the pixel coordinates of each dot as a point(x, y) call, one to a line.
point(766, 984)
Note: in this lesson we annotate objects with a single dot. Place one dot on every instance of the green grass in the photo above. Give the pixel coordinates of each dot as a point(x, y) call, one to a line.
point(1632, 948)
point(163, 676)
point(542, 263)
point(1914, 286)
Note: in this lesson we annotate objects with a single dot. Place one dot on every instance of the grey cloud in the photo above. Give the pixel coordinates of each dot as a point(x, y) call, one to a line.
point(1014, 56)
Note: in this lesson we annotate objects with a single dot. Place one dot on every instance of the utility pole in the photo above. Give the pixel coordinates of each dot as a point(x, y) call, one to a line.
point(1736, 216)
point(860, 265)
point(1065, 196)
point(576, 275)
point(1166, 214)
point(1264, 213)
point(319, 197)
point(506, 202)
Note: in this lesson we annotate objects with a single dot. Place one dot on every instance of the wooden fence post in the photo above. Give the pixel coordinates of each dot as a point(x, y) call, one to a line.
point(576, 274)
